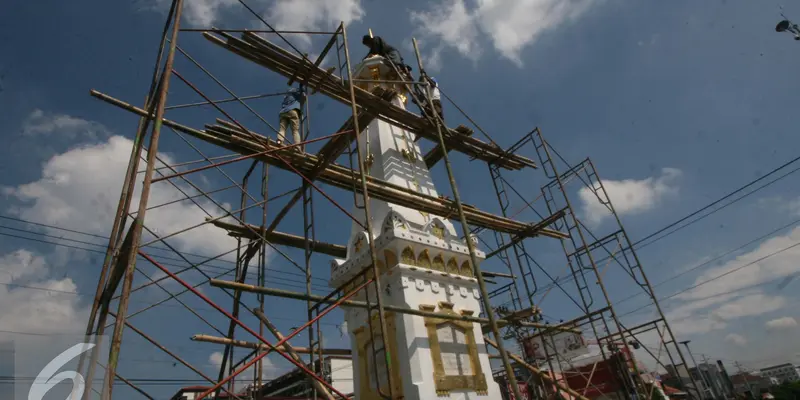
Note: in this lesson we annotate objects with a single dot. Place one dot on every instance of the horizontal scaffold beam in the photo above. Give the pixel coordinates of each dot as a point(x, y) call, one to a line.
point(264, 53)
point(328, 153)
point(301, 350)
point(280, 238)
point(343, 177)
point(361, 304)
point(262, 346)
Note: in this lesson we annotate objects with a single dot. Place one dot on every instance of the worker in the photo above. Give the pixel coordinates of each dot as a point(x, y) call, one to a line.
point(379, 47)
point(291, 112)
point(435, 97)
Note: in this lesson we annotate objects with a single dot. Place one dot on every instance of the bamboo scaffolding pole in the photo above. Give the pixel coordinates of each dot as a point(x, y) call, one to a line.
point(266, 54)
point(252, 345)
point(380, 306)
point(291, 350)
point(250, 331)
point(136, 228)
point(341, 177)
point(487, 306)
point(284, 239)
point(360, 304)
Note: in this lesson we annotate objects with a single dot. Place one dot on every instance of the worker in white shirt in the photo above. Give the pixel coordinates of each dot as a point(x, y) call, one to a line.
point(435, 97)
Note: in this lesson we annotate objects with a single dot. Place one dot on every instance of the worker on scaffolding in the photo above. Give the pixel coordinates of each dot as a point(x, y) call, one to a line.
point(435, 100)
point(377, 46)
point(291, 113)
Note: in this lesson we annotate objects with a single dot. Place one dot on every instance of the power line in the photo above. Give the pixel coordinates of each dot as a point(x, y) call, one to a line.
point(137, 301)
point(719, 277)
point(751, 183)
point(205, 266)
point(636, 245)
point(703, 264)
point(106, 238)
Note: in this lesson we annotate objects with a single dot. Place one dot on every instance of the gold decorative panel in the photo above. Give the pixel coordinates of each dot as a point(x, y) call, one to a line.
point(438, 263)
point(437, 231)
point(470, 375)
point(452, 266)
point(466, 269)
point(365, 353)
point(408, 257)
point(424, 260)
point(375, 72)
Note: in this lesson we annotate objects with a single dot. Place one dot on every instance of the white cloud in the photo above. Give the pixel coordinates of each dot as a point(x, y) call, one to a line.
point(310, 15)
point(197, 13)
point(215, 358)
point(510, 24)
point(64, 126)
point(269, 370)
point(781, 323)
point(736, 339)
point(79, 189)
point(738, 288)
point(55, 310)
point(629, 196)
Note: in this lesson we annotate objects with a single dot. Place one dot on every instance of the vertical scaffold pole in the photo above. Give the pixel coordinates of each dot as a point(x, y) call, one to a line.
point(510, 378)
point(368, 217)
point(126, 194)
point(136, 227)
point(636, 381)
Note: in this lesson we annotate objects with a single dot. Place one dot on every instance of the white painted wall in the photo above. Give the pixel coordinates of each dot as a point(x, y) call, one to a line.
point(342, 374)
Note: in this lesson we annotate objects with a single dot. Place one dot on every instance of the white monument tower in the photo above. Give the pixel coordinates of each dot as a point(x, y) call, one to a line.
point(423, 265)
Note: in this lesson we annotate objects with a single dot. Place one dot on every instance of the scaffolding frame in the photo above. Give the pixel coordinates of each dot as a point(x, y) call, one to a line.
point(585, 254)
point(253, 241)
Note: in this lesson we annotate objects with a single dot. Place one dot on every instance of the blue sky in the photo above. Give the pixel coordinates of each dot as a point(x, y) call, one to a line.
point(676, 104)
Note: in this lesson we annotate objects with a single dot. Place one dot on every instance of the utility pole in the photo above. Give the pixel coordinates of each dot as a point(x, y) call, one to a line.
point(700, 390)
point(745, 375)
point(712, 382)
point(731, 390)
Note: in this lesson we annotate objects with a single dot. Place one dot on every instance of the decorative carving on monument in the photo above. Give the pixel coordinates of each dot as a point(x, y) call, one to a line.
point(438, 263)
point(408, 256)
point(466, 269)
point(424, 259)
point(394, 220)
point(437, 228)
point(452, 266)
